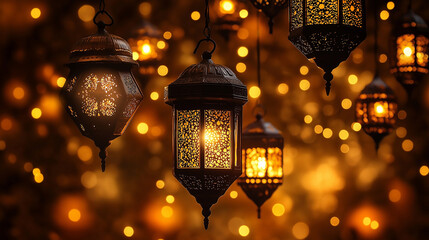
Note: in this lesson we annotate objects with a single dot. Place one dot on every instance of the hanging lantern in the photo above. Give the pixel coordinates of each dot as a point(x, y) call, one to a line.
point(327, 31)
point(229, 15)
point(410, 61)
point(270, 8)
point(262, 151)
point(376, 110)
point(148, 47)
point(101, 94)
point(207, 102)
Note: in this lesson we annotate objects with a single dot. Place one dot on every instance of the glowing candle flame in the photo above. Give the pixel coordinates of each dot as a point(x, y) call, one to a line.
point(226, 6)
point(380, 109)
point(146, 49)
point(408, 51)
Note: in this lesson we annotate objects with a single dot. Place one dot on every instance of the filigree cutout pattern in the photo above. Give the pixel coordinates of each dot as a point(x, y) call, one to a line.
point(322, 12)
point(217, 139)
point(188, 138)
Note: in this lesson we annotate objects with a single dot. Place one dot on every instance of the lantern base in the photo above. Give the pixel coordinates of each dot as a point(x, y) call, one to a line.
point(258, 192)
point(103, 154)
point(206, 186)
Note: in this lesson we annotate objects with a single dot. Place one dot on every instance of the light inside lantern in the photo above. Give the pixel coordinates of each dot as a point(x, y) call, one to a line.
point(226, 7)
point(263, 162)
point(406, 53)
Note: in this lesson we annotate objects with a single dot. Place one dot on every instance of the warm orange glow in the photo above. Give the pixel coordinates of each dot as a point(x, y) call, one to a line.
point(74, 215)
point(380, 109)
point(35, 13)
point(86, 13)
point(128, 231)
point(226, 6)
point(408, 51)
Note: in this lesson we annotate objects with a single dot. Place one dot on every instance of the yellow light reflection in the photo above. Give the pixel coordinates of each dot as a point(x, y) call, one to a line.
point(278, 209)
point(195, 15)
point(170, 199)
point(408, 51)
point(74, 215)
point(254, 92)
point(160, 184)
point(243, 13)
point(233, 194)
point(283, 88)
point(86, 13)
point(128, 231)
point(424, 170)
point(226, 6)
point(300, 230)
point(243, 230)
point(35, 13)
point(334, 221)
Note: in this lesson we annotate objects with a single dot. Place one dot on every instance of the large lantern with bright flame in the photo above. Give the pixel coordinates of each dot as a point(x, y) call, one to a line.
point(327, 31)
point(148, 47)
point(270, 8)
point(207, 102)
point(410, 61)
point(262, 151)
point(228, 16)
point(101, 94)
point(376, 110)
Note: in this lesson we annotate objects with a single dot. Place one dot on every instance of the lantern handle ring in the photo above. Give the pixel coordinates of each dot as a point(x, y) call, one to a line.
point(259, 111)
point(206, 40)
point(100, 23)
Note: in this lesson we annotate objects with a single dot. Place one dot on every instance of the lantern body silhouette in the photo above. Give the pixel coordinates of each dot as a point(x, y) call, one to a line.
point(207, 102)
point(270, 8)
point(327, 31)
point(227, 18)
point(376, 110)
point(262, 151)
point(148, 47)
point(101, 94)
point(410, 51)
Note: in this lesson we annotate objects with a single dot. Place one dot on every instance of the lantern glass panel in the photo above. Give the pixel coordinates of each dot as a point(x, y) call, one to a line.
point(352, 13)
point(422, 53)
point(275, 168)
point(188, 138)
point(296, 12)
point(217, 139)
point(405, 50)
point(322, 12)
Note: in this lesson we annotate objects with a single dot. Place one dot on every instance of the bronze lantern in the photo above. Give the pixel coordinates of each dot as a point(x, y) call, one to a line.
point(148, 47)
point(101, 94)
point(327, 31)
point(410, 51)
point(376, 110)
point(227, 16)
point(262, 151)
point(270, 8)
point(207, 101)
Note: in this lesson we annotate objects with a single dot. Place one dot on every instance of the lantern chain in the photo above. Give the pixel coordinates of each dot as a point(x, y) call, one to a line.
point(207, 32)
point(376, 37)
point(102, 11)
point(259, 109)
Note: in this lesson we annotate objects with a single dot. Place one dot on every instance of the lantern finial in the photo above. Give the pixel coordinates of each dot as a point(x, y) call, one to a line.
point(328, 78)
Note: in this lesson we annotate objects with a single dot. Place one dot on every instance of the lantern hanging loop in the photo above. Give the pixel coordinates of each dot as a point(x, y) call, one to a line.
point(376, 39)
point(207, 32)
point(102, 11)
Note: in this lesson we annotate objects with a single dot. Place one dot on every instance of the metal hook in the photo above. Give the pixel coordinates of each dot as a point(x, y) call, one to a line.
point(206, 40)
point(259, 111)
point(101, 22)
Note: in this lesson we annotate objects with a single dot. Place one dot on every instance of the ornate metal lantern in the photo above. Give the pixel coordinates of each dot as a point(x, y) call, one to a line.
point(207, 102)
point(270, 8)
point(148, 47)
point(262, 151)
point(376, 110)
point(227, 17)
point(327, 31)
point(410, 61)
point(101, 94)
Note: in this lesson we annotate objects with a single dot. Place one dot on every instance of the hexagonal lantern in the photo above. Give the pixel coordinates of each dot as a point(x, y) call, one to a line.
point(376, 110)
point(326, 31)
point(207, 101)
point(270, 8)
point(262, 151)
point(410, 51)
point(101, 94)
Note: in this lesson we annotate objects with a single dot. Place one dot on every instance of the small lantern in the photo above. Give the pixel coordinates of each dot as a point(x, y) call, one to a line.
point(101, 94)
point(262, 151)
point(147, 47)
point(270, 8)
point(229, 15)
point(376, 109)
point(207, 102)
point(410, 61)
point(327, 31)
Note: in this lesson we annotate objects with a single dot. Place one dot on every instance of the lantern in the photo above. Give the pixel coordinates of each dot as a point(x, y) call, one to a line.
point(148, 47)
point(376, 109)
point(270, 8)
point(262, 151)
point(410, 51)
point(327, 31)
point(207, 102)
point(229, 15)
point(101, 94)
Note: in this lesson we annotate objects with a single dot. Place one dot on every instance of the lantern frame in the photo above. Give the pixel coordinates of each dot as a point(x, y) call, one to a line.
point(327, 40)
point(207, 86)
point(270, 8)
point(409, 74)
point(100, 72)
point(376, 126)
point(260, 134)
point(228, 23)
